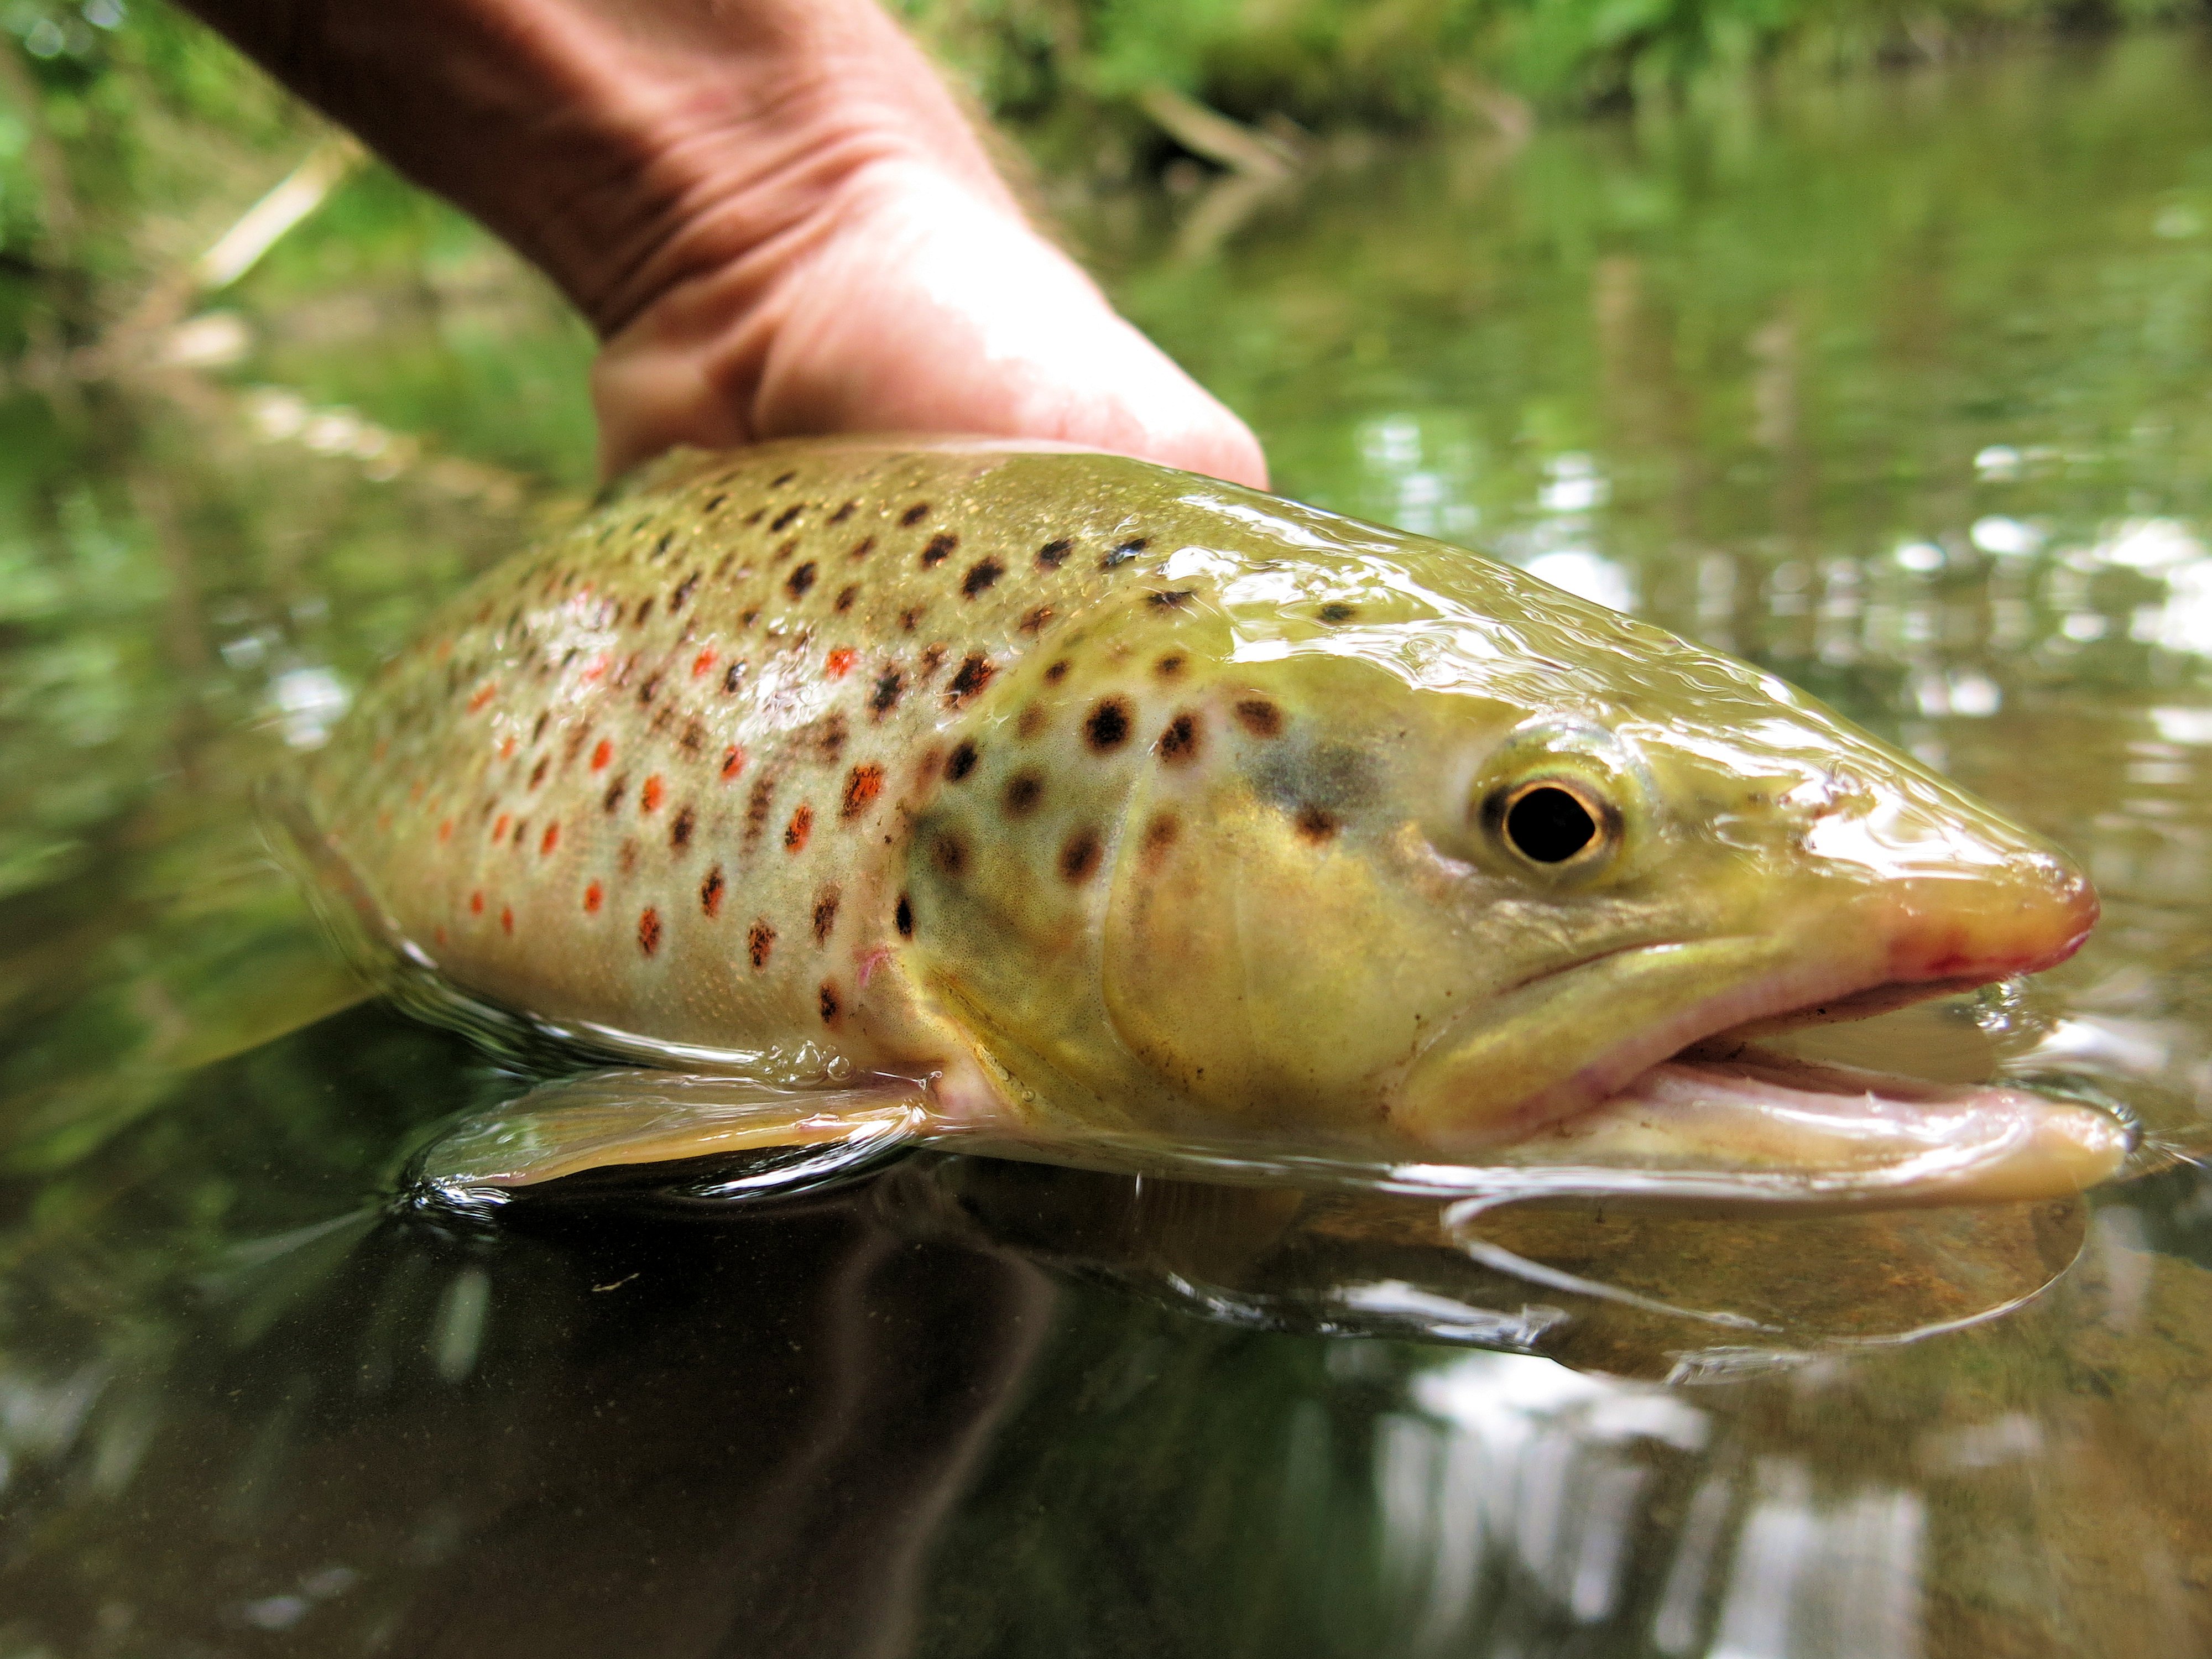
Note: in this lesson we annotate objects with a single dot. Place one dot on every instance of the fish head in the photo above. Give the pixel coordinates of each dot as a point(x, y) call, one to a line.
point(1466, 902)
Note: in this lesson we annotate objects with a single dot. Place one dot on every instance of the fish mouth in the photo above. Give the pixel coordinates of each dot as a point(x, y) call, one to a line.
point(1690, 1091)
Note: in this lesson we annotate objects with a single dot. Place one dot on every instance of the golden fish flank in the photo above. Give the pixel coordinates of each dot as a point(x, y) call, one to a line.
point(1106, 799)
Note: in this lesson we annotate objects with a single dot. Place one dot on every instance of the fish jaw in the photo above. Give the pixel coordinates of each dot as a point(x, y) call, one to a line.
point(1775, 1128)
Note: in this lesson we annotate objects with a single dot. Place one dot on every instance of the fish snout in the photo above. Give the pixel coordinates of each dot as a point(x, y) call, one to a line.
point(1957, 892)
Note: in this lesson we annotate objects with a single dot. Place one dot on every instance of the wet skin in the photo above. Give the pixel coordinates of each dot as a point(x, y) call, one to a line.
point(1057, 796)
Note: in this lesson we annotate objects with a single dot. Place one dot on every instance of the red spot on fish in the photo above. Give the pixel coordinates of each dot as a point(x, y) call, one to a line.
point(801, 826)
point(476, 904)
point(603, 752)
point(594, 895)
point(506, 917)
point(703, 663)
point(841, 661)
point(549, 840)
point(596, 669)
point(648, 930)
point(649, 797)
point(507, 747)
point(446, 830)
point(862, 785)
point(499, 829)
point(484, 695)
point(732, 764)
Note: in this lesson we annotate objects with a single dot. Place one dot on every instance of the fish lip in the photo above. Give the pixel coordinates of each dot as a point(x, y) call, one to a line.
point(1789, 989)
point(1790, 994)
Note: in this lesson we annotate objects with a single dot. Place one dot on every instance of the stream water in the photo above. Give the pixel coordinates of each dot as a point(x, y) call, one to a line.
point(1902, 387)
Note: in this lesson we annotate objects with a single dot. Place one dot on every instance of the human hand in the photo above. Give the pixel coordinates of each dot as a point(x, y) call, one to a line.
point(921, 306)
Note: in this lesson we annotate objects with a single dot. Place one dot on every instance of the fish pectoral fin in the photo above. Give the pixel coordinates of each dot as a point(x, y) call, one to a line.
point(1771, 1128)
point(619, 1119)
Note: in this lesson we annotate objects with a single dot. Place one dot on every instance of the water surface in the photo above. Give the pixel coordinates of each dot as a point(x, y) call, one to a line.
point(1903, 388)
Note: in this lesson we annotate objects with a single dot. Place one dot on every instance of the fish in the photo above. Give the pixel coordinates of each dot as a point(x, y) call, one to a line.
point(844, 794)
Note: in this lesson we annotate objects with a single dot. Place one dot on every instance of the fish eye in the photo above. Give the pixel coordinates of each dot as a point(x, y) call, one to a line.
point(1555, 822)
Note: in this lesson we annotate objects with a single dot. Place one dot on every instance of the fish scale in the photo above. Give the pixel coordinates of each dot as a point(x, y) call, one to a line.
point(934, 787)
point(661, 777)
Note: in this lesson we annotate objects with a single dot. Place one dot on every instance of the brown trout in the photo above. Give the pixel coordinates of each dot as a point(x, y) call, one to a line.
point(1062, 800)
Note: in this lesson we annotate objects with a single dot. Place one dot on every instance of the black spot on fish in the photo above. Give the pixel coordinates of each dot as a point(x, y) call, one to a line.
point(782, 479)
point(712, 503)
point(829, 1002)
point(951, 854)
point(960, 763)
point(1054, 553)
point(613, 798)
point(1107, 724)
point(1023, 791)
point(885, 697)
point(981, 575)
point(974, 673)
point(1259, 717)
point(758, 801)
point(538, 772)
point(644, 610)
point(1160, 837)
point(903, 917)
point(845, 598)
point(680, 828)
point(683, 591)
point(695, 736)
point(661, 547)
point(731, 677)
point(645, 693)
point(784, 519)
point(711, 890)
point(1178, 744)
point(537, 731)
point(914, 514)
point(1034, 621)
point(1057, 672)
point(1171, 665)
point(648, 930)
point(825, 912)
point(940, 549)
point(1337, 613)
point(1315, 824)
point(843, 512)
point(861, 549)
point(759, 939)
point(1172, 599)
point(829, 735)
point(1122, 554)
point(1078, 856)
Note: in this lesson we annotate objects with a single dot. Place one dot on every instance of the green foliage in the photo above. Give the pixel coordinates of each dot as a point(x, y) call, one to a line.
point(1065, 70)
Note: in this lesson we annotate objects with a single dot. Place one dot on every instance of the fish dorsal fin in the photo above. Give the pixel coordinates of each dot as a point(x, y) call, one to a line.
point(777, 1141)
